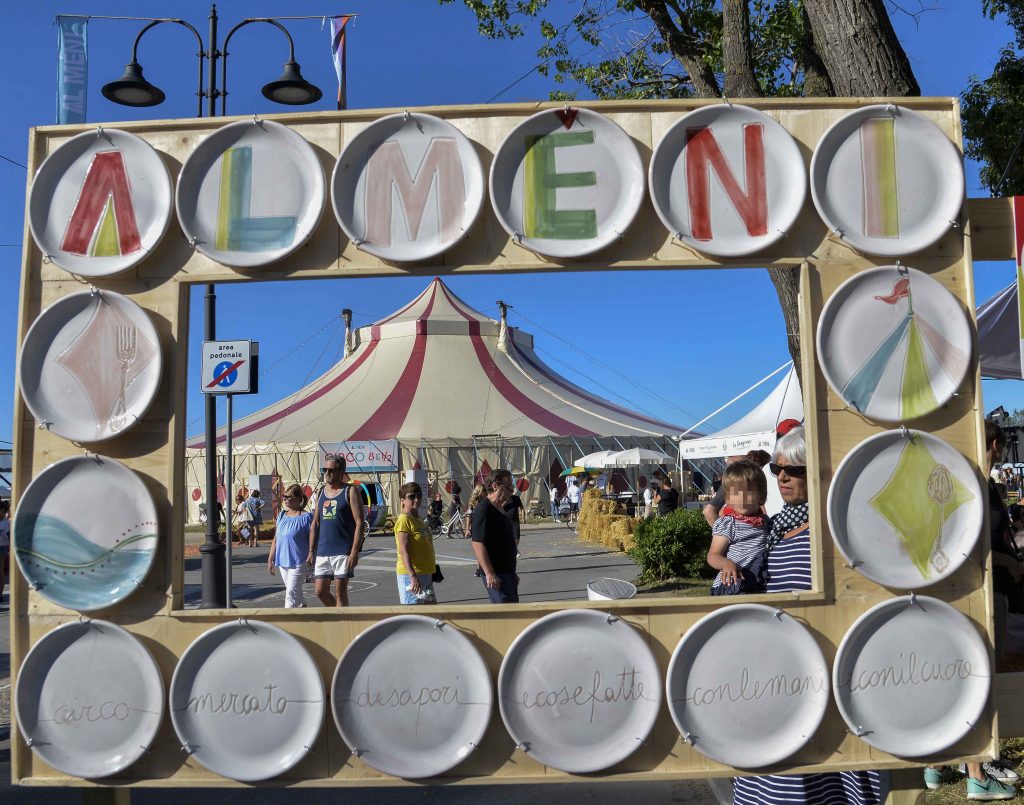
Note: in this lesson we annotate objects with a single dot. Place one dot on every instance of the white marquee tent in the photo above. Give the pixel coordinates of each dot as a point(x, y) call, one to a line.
point(754, 431)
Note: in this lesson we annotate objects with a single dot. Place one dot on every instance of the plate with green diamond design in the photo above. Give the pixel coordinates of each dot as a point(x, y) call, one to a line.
point(905, 509)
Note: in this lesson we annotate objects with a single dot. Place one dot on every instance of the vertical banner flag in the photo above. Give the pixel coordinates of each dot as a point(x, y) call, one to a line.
point(72, 69)
point(338, 54)
point(1018, 248)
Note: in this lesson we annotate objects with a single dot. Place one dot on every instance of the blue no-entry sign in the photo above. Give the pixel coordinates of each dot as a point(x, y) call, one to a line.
point(226, 367)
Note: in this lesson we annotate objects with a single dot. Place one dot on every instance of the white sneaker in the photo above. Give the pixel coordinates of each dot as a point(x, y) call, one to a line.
point(997, 770)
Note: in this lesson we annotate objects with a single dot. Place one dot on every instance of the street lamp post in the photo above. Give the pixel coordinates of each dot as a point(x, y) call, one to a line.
point(132, 89)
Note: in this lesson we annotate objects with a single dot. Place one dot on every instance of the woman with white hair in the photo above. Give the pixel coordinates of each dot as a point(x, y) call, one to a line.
point(788, 569)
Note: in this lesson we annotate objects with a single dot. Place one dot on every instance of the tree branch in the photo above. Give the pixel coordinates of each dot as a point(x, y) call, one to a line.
point(682, 45)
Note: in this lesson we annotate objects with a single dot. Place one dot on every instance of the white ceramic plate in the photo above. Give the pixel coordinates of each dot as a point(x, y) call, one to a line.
point(407, 187)
point(911, 679)
point(89, 699)
point(90, 365)
point(887, 180)
point(246, 700)
point(593, 175)
point(411, 696)
point(747, 685)
point(894, 343)
point(713, 189)
point(250, 194)
point(905, 510)
point(85, 532)
point(100, 203)
point(579, 690)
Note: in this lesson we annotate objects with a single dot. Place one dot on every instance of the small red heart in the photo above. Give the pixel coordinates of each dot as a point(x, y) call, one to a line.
point(567, 116)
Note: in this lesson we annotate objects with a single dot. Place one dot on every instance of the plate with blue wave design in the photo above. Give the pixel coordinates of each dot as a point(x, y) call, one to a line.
point(85, 533)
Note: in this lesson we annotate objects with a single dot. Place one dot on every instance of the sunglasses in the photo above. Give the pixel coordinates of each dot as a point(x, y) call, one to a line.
point(293, 497)
point(792, 470)
point(412, 496)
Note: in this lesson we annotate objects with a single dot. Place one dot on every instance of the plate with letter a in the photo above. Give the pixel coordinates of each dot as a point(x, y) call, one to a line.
point(100, 203)
point(247, 701)
point(887, 180)
point(85, 532)
point(251, 193)
point(894, 343)
point(905, 509)
point(412, 697)
point(90, 365)
point(579, 690)
point(747, 686)
point(912, 676)
point(408, 187)
point(566, 182)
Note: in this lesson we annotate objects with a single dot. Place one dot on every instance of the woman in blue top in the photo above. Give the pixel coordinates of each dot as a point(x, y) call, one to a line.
point(290, 546)
point(789, 569)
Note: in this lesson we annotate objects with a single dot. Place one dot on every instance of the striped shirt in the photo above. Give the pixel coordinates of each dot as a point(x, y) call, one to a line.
point(746, 541)
point(789, 569)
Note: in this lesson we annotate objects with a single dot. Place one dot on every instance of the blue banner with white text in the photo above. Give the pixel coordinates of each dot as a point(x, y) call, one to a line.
point(72, 69)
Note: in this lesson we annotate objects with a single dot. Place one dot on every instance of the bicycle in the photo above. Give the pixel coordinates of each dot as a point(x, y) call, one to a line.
point(451, 526)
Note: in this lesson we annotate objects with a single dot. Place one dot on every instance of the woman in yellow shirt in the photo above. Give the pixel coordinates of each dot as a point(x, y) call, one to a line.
point(416, 562)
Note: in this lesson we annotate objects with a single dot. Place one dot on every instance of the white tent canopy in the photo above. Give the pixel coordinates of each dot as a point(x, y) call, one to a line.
point(999, 335)
point(756, 430)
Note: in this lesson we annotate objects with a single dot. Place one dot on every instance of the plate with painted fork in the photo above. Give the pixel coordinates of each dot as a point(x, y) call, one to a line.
point(90, 366)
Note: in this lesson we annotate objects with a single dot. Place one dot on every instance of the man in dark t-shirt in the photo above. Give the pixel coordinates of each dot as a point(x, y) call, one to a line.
point(514, 510)
point(667, 498)
point(493, 542)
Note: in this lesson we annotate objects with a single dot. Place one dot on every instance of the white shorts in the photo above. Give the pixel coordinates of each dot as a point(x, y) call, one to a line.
point(332, 567)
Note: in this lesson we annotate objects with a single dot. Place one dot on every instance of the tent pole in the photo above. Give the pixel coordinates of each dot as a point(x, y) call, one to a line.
point(738, 396)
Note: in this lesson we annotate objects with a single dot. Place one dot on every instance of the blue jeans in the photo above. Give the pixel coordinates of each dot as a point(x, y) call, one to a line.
point(507, 592)
point(426, 583)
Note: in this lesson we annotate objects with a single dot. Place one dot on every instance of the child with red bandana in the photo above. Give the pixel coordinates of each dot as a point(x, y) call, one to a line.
point(739, 534)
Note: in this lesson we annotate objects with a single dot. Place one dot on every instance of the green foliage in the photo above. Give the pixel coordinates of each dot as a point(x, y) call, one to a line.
point(613, 48)
point(993, 111)
point(672, 546)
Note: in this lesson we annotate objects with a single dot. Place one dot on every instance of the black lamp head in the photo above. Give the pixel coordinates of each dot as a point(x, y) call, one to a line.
point(132, 89)
point(291, 88)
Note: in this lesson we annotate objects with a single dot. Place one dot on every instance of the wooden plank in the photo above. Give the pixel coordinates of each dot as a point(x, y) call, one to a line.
point(154, 449)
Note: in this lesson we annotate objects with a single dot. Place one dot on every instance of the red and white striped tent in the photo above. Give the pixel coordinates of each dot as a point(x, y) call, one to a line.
point(436, 375)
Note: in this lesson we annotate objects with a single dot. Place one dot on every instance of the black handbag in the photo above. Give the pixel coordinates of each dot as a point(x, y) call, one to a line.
point(438, 575)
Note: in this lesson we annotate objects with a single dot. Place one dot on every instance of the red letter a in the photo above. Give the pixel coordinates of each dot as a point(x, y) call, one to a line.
point(702, 150)
point(105, 179)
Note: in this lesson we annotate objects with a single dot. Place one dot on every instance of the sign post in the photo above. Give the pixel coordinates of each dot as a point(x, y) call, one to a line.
point(227, 370)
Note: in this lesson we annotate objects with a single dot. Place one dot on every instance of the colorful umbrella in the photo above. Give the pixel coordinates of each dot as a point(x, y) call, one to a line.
point(578, 471)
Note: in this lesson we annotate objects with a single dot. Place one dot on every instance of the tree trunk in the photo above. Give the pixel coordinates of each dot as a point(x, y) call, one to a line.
point(736, 52)
point(859, 48)
point(816, 80)
point(786, 280)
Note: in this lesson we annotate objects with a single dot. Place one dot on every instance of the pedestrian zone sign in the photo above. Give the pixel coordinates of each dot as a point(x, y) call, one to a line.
point(226, 367)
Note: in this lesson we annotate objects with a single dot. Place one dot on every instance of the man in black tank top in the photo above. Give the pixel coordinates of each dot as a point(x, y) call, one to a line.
point(335, 535)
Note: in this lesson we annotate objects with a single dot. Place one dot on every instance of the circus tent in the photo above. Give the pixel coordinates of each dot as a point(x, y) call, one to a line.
point(460, 392)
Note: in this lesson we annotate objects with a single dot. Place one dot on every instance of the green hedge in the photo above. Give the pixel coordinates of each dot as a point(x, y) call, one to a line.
point(673, 546)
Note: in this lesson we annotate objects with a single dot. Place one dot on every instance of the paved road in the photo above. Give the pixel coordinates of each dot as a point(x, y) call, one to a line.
point(554, 566)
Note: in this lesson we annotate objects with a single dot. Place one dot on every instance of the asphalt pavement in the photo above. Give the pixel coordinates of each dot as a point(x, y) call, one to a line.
point(554, 566)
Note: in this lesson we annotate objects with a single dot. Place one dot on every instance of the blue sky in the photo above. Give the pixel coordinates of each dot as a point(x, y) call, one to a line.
point(675, 344)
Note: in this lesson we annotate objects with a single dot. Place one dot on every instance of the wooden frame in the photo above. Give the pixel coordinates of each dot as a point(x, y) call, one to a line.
point(154, 448)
